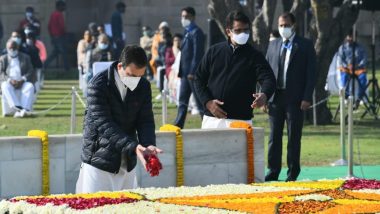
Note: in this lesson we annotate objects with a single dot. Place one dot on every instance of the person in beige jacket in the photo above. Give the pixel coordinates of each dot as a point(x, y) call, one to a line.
point(82, 48)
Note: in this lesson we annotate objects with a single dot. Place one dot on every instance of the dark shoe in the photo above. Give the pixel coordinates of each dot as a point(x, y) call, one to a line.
point(356, 105)
point(288, 179)
point(17, 108)
point(271, 178)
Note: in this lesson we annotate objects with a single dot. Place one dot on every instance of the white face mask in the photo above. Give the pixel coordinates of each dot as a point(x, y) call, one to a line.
point(102, 46)
point(17, 40)
point(240, 38)
point(27, 31)
point(285, 32)
point(130, 82)
point(28, 15)
point(29, 42)
point(12, 53)
point(185, 22)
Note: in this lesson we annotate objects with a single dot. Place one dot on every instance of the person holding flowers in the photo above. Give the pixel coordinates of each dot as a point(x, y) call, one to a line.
point(118, 126)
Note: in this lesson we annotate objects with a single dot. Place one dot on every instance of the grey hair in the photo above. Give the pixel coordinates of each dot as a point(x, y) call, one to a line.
point(12, 43)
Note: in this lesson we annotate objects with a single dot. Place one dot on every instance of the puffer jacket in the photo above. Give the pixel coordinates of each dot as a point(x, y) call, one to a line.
point(112, 127)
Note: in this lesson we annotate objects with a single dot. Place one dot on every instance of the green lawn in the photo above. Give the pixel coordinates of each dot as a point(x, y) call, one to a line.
point(320, 145)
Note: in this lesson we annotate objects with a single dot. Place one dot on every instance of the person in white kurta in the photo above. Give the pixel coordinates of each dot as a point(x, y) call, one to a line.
point(90, 176)
point(16, 76)
point(118, 125)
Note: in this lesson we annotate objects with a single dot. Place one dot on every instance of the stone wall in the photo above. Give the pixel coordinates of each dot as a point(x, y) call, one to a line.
point(210, 157)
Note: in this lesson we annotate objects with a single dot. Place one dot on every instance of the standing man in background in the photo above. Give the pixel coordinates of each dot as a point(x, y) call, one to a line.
point(227, 75)
point(192, 50)
point(117, 28)
point(292, 59)
point(155, 42)
point(30, 22)
point(57, 34)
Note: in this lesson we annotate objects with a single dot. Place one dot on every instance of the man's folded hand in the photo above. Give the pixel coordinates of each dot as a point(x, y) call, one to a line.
point(214, 107)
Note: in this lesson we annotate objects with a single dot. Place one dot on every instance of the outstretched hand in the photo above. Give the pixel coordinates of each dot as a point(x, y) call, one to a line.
point(141, 151)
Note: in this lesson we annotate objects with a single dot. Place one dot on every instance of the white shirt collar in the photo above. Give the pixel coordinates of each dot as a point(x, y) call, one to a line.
point(120, 85)
point(290, 39)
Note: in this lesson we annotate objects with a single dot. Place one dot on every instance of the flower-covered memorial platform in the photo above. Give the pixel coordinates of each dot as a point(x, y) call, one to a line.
point(323, 196)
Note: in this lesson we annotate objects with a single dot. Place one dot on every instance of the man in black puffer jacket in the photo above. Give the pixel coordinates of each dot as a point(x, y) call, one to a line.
point(118, 125)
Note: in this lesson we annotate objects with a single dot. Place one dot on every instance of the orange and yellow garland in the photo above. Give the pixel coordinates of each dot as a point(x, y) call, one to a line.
point(324, 196)
point(179, 151)
point(43, 135)
point(250, 142)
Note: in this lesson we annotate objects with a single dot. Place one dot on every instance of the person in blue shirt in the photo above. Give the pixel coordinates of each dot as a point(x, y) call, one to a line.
point(345, 65)
point(117, 28)
point(192, 50)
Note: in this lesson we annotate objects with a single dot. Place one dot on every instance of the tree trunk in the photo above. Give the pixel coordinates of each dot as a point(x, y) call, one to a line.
point(331, 33)
point(287, 5)
point(299, 9)
point(262, 25)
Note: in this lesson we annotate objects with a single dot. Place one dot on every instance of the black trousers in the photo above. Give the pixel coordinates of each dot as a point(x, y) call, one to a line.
point(187, 87)
point(280, 110)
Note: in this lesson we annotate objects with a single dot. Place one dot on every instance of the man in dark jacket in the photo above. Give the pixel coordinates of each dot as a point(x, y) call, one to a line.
point(119, 106)
point(226, 77)
point(192, 50)
point(292, 59)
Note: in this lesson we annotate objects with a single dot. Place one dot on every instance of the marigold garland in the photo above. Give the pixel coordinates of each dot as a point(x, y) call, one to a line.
point(250, 147)
point(352, 208)
point(179, 151)
point(363, 195)
point(45, 158)
point(304, 206)
point(327, 197)
point(321, 184)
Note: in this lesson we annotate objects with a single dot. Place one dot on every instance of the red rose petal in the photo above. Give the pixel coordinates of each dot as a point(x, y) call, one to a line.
point(153, 165)
point(78, 202)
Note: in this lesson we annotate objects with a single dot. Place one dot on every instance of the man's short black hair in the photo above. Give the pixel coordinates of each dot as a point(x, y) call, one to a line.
point(178, 35)
point(120, 5)
point(60, 4)
point(29, 9)
point(133, 54)
point(189, 10)
point(351, 32)
point(238, 16)
point(288, 15)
